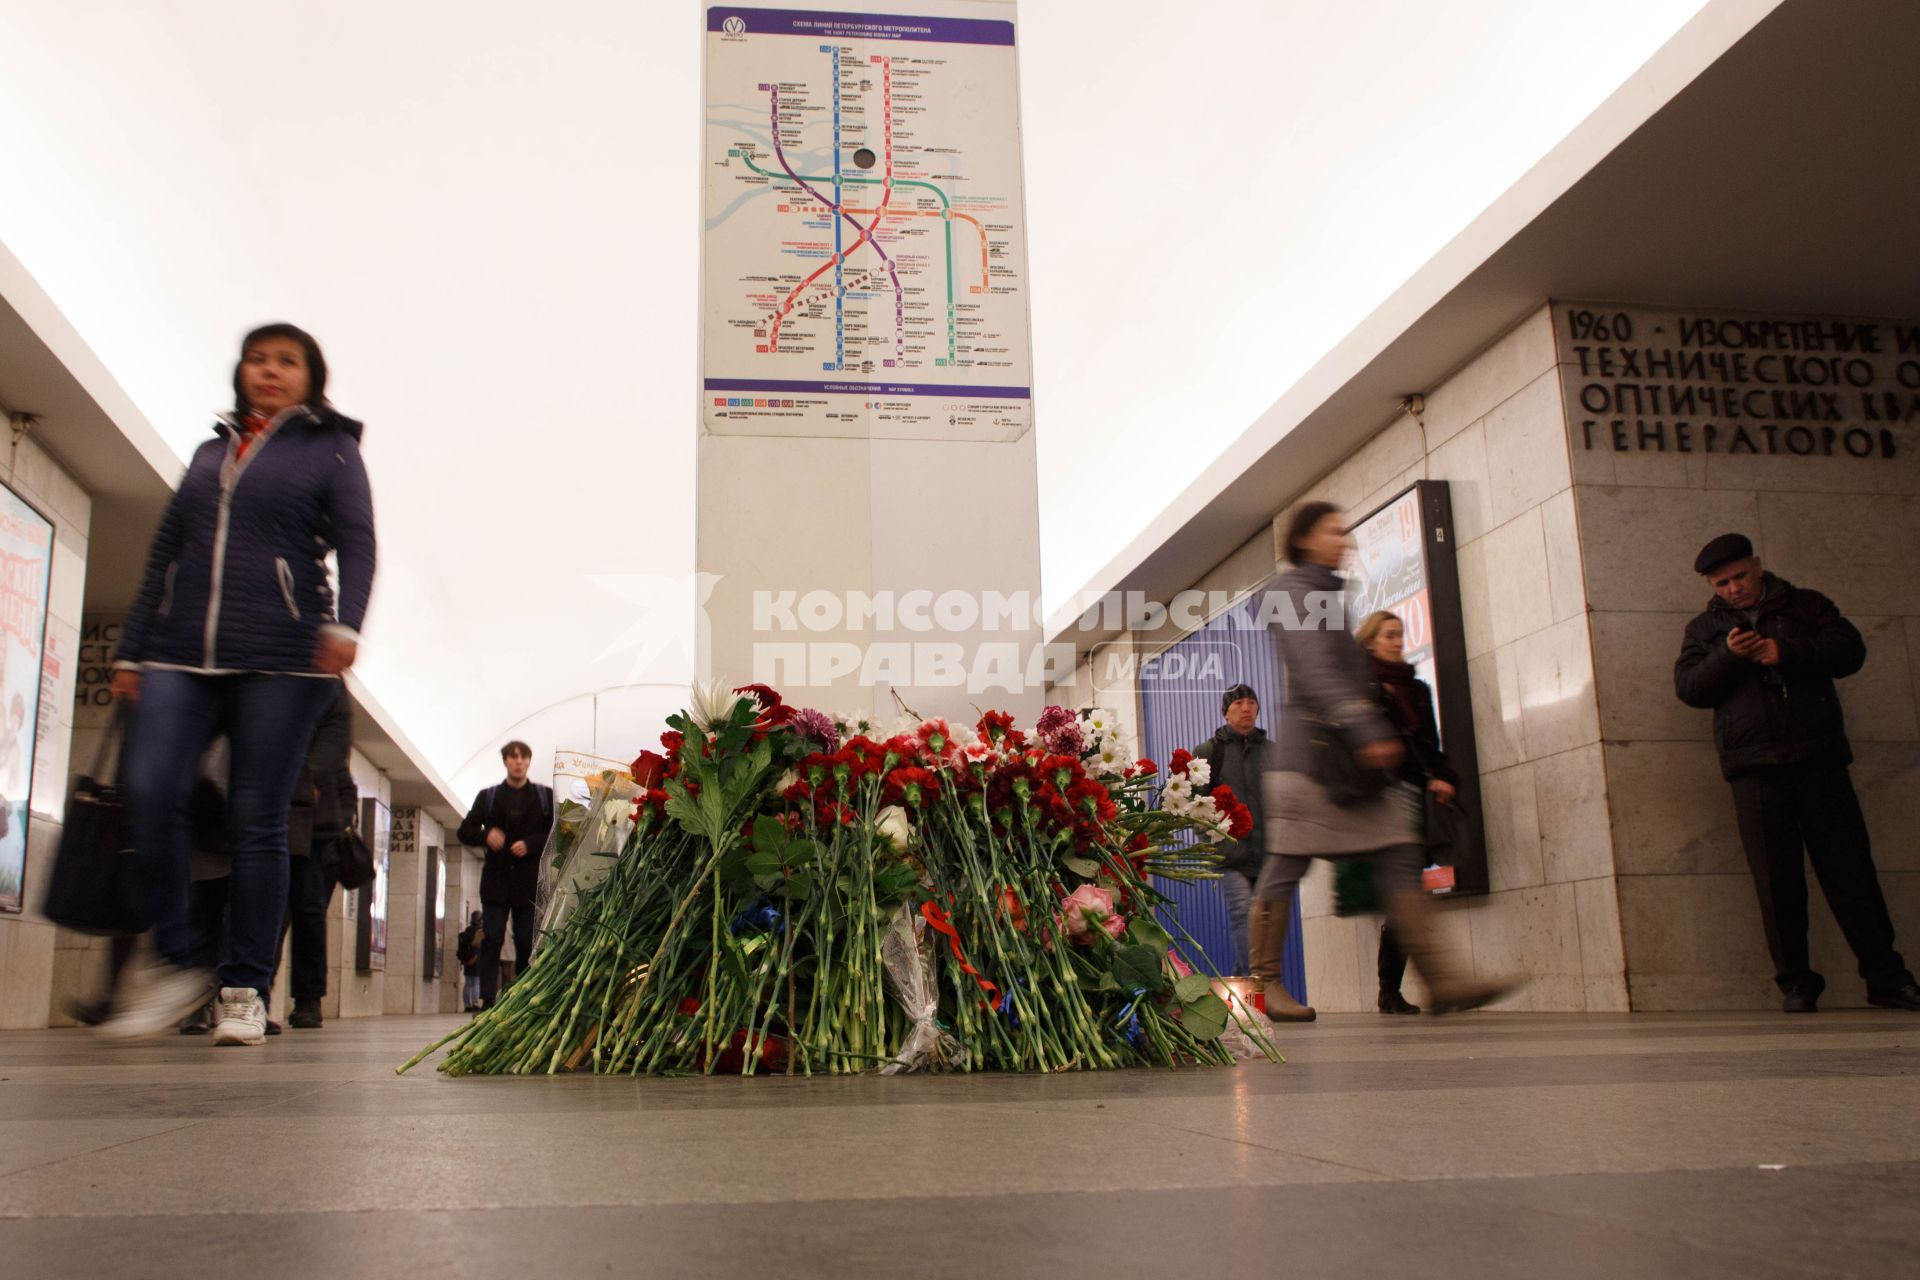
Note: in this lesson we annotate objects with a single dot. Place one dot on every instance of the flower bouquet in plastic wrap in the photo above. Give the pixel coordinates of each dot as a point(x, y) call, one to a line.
point(797, 892)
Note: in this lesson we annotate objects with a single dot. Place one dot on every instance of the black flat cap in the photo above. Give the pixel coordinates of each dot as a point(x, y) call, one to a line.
point(1728, 546)
point(1234, 695)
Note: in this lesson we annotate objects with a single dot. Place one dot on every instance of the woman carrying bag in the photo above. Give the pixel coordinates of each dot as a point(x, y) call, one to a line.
point(235, 631)
point(1424, 770)
point(1330, 792)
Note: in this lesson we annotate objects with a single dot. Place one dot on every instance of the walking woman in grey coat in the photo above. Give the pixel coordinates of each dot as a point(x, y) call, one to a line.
point(1330, 691)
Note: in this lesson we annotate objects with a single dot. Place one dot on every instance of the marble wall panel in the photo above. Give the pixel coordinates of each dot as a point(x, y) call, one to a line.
point(1858, 549)
point(1498, 719)
point(1518, 600)
point(1602, 959)
point(1476, 605)
point(1878, 699)
point(1556, 674)
point(1515, 359)
point(1511, 817)
point(1566, 578)
point(1533, 933)
point(1526, 456)
point(1638, 544)
point(1671, 810)
point(1634, 655)
point(1886, 775)
point(1462, 463)
point(1576, 834)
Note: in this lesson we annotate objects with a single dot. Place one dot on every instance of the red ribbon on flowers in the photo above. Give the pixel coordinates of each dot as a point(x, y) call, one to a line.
point(941, 922)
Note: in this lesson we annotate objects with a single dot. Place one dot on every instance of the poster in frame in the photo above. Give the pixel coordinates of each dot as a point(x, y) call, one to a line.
point(376, 828)
point(1403, 562)
point(26, 571)
point(433, 954)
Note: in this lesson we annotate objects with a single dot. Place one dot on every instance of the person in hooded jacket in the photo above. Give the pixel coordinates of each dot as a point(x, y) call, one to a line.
point(1764, 656)
point(235, 630)
point(1235, 755)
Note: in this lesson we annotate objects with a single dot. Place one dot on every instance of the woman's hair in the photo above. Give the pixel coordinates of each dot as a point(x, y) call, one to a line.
point(1375, 623)
point(316, 362)
point(1305, 516)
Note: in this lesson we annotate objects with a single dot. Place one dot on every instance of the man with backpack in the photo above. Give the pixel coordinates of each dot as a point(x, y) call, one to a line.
point(510, 820)
point(1233, 757)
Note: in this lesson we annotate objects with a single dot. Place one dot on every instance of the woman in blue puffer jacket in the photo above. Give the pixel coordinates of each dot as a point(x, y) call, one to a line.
point(235, 632)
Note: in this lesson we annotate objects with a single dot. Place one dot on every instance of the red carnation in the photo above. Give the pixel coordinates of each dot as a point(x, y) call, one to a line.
point(1181, 759)
point(1239, 817)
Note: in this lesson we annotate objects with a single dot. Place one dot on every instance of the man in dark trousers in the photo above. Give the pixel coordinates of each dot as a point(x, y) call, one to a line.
point(324, 800)
point(1764, 656)
point(1233, 759)
point(510, 820)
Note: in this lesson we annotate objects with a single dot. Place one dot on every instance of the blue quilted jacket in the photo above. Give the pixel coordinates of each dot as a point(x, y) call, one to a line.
point(237, 576)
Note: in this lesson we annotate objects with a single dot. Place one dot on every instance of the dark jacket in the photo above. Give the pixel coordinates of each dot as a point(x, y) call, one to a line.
point(1234, 760)
point(1420, 732)
point(236, 579)
point(1766, 716)
point(324, 798)
point(506, 878)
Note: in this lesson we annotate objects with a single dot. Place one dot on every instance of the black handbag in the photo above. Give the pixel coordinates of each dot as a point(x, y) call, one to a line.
point(355, 860)
point(1347, 781)
point(94, 887)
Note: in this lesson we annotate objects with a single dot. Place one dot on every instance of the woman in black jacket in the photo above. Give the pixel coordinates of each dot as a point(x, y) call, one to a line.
point(1409, 706)
point(235, 631)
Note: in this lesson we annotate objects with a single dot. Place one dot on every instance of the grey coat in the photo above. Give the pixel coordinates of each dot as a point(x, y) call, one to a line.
point(1328, 678)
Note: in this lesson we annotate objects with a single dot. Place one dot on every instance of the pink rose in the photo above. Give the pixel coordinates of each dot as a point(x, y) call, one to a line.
point(1088, 909)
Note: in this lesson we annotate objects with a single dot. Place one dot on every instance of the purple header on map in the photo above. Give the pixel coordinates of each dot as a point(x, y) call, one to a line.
point(762, 386)
point(821, 25)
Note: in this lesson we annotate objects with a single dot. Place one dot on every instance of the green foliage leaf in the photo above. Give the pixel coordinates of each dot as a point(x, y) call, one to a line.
point(1085, 868)
point(1145, 931)
point(1205, 1018)
point(1192, 987)
point(768, 835)
point(1138, 968)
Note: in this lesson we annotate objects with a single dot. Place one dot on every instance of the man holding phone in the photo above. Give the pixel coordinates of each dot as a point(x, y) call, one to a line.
point(1764, 657)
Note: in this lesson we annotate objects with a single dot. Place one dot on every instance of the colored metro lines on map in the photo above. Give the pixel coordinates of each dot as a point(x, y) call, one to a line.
point(865, 258)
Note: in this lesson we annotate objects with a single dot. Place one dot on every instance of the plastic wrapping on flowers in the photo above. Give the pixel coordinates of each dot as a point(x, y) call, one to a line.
point(592, 819)
point(798, 893)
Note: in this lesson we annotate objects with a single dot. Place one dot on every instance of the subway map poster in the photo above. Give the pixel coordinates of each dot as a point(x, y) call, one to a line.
point(864, 255)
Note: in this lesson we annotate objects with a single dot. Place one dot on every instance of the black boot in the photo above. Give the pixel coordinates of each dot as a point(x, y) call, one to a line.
point(305, 1015)
point(1394, 1002)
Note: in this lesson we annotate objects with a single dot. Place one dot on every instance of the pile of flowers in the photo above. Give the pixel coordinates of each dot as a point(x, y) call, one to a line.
point(779, 889)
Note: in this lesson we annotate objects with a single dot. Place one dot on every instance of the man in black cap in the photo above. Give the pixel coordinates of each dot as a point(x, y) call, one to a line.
point(1764, 656)
point(1233, 759)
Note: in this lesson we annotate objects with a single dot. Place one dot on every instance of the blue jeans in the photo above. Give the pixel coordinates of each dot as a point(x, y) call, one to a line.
point(268, 721)
point(1238, 891)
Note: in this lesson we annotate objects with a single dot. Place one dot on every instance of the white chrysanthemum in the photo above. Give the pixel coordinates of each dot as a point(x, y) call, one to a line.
point(713, 702)
point(1200, 773)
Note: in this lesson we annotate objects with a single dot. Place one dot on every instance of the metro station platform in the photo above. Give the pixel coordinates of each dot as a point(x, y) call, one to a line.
point(1485, 1145)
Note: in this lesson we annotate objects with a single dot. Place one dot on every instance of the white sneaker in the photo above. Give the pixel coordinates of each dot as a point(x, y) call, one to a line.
point(240, 1017)
point(163, 996)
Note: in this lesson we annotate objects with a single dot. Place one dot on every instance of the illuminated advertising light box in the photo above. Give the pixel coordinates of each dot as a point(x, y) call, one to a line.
point(376, 828)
